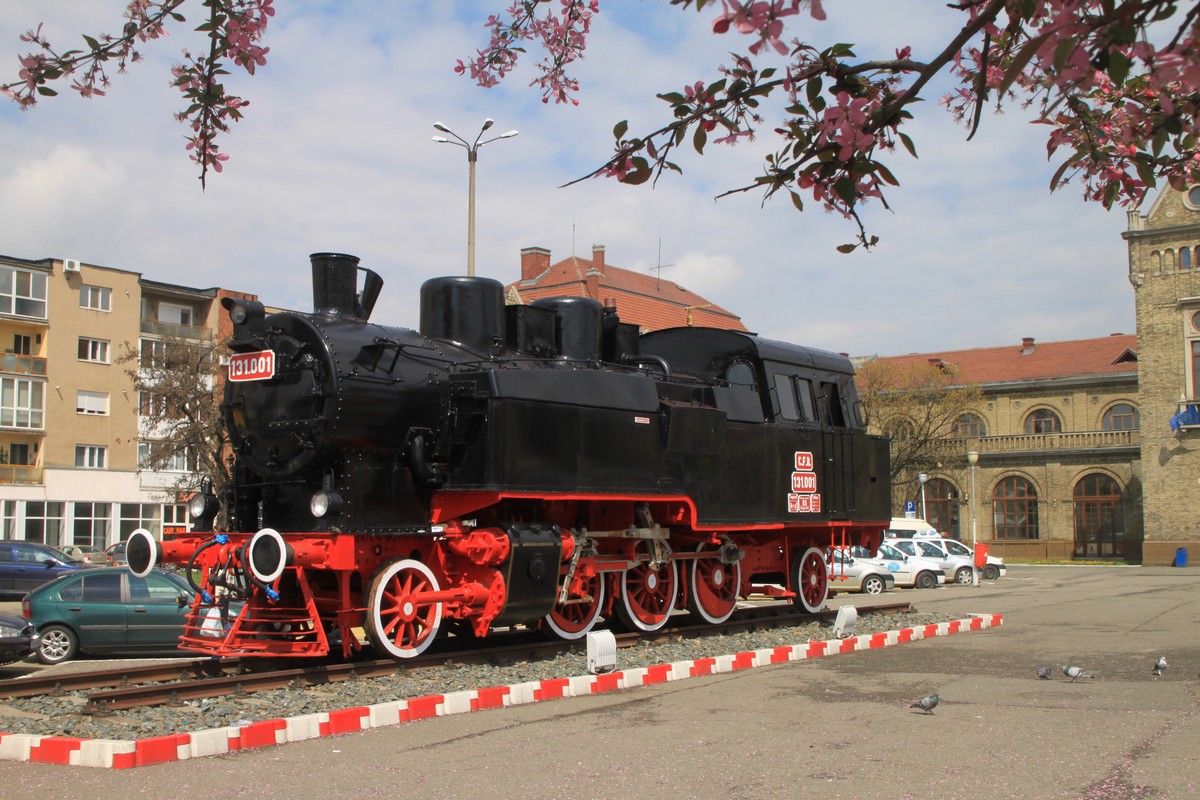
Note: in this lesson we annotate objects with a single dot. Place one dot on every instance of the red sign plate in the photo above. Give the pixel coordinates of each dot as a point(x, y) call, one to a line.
point(252, 366)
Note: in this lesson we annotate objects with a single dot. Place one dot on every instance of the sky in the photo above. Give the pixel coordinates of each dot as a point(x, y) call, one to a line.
point(336, 155)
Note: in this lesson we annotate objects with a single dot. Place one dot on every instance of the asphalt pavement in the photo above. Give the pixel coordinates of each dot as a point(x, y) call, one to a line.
point(833, 727)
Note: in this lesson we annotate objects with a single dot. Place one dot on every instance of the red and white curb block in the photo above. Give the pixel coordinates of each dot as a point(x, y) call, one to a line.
point(119, 754)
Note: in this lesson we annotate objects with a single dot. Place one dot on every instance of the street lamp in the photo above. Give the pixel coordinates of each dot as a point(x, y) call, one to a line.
point(973, 459)
point(922, 478)
point(472, 154)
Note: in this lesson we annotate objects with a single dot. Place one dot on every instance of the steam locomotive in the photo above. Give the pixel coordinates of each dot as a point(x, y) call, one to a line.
point(537, 465)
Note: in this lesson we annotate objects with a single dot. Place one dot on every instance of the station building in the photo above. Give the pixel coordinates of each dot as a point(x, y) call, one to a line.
point(1164, 270)
point(647, 300)
point(1057, 446)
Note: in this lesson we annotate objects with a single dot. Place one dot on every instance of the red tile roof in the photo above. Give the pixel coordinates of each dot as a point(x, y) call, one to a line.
point(1030, 361)
point(646, 300)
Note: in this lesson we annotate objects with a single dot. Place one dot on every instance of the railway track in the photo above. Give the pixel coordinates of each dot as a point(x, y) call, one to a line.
point(175, 683)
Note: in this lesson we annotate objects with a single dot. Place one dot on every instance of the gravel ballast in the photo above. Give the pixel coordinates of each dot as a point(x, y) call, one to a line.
point(60, 715)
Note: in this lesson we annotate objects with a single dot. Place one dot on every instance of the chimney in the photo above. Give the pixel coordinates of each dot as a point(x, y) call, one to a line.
point(598, 257)
point(535, 261)
point(1026, 345)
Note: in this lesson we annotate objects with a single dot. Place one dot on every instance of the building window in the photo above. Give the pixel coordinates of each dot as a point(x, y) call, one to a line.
point(1185, 258)
point(175, 517)
point(153, 353)
point(94, 350)
point(152, 457)
point(968, 426)
point(22, 344)
point(92, 523)
point(45, 522)
point(941, 506)
point(22, 403)
point(91, 456)
point(174, 315)
point(1014, 509)
point(91, 403)
point(1099, 520)
point(1121, 417)
point(97, 298)
point(1043, 420)
point(22, 292)
point(140, 515)
point(1192, 198)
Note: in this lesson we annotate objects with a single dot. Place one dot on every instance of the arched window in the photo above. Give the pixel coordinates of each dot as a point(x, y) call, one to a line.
point(1121, 417)
point(941, 506)
point(1043, 420)
point(1014, 509)
point(1185, 258)
point(1099, 520)
point(900, 429)
point(968, 426)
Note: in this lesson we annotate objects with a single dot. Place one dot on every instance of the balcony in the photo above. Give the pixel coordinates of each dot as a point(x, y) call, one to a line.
point(172, 330)
point(1082, 441)
point(22, 365)
point(20, 473)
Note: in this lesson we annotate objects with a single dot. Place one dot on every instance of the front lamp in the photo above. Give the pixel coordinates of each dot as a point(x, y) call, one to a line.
point(325, 504)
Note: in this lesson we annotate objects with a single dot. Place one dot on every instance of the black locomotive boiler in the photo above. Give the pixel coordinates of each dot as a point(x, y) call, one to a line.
point(541, 465)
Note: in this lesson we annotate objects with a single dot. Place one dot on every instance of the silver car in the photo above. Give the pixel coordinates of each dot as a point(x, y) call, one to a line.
point(909, 572)
point(995, 567)
point(850, 574)
point(957, 568)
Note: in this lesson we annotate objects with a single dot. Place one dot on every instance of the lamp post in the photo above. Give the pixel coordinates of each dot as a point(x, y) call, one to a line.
point(922, 478)
point(973, 459)
point(472, 155)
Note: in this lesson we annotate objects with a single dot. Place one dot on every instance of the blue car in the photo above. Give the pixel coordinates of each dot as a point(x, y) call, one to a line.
point(27, 565)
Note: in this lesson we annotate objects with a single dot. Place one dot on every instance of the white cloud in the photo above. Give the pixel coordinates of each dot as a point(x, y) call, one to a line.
point(335, 154)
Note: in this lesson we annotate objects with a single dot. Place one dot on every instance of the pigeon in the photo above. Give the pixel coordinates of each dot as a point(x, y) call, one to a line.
point(926, 704)
point(1160, 665)
point(1044, 673)
point(1075, 672)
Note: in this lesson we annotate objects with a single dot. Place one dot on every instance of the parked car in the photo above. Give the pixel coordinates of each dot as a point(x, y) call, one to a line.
point(18, 638)
point(84, 552)
point(850, 574)
point(957, 568)
point(114, 555)
point(995, 567)
point(909, 528)
point(108, 610)
point(26, 565)
point(909, 572)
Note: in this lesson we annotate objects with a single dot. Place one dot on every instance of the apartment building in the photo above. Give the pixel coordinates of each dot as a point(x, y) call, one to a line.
point(72, 432)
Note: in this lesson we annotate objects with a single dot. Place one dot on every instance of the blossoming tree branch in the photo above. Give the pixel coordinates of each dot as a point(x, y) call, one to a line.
point(1115, 82)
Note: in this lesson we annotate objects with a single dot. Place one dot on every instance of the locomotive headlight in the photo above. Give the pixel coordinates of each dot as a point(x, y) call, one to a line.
point(248, 317)
point(203, 505)
point(325, 504)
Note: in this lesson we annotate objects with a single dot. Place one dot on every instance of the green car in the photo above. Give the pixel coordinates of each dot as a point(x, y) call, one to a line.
point(107, 610)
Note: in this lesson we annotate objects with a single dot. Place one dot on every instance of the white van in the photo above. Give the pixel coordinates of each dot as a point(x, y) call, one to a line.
point(905, 528)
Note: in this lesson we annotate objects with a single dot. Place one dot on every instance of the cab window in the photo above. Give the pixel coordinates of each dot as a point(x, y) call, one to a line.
point(906, 547)
point(785, 397)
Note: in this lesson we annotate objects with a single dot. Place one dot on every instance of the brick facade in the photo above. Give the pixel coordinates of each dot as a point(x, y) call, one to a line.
point(1163, 250)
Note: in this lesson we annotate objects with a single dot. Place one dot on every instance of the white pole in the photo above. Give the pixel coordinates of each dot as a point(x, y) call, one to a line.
point(973, 457)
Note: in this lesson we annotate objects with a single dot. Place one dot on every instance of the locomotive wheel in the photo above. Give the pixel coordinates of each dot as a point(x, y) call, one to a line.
point(810, 581)
point(574, 620)
point(396, 625)
point(647, 595)
point(714, 587)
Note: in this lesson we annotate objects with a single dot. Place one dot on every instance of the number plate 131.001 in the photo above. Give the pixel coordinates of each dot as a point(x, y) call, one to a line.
point(252, 366)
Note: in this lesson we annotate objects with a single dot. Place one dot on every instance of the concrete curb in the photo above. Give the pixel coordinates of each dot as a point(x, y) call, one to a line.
point(119, 754)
